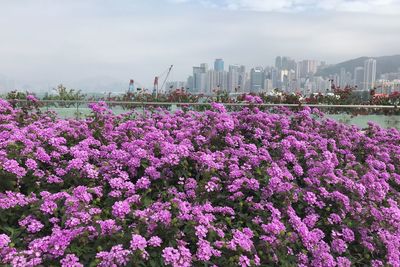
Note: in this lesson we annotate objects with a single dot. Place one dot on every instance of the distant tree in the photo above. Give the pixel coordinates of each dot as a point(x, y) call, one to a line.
point(64, 94)
point(16, 95)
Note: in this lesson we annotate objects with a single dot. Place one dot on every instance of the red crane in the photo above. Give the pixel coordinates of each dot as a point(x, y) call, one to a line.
point(156, 89)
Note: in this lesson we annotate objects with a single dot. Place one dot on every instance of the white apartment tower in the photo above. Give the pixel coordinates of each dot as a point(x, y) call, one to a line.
point(359, 77)
point(369, 74)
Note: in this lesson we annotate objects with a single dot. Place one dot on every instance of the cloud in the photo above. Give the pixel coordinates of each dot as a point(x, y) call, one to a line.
point(357, 6)
point(45, 42)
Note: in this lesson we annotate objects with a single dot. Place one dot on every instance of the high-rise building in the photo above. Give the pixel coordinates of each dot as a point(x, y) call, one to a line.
point(335, 79)
point(369, 74)
point(233, 78)
point(285, 63)
point(288, 80)
point(313, 66)
point(278, 62)
point(212, 81)
point(359, 77)
point(306, 68)
point(268, 85)
point(242, 79)
point(320, 85)
point(219, 64)
point(189, 84)
point(204, 66)
point(275, 78)
point(196, 79)
point(222, 80)
point(199, 78)
point(349, 78)
point(256, 79)
point(343, 79)
point(390, 76)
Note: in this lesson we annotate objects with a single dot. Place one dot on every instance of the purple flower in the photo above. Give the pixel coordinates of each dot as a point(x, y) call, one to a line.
point(180, 257)
point(143, 183)
point(117, 256)
point(12, 166)
point(244, 261)
point(70, 260)
point(339, 246)
point(4, 240)
point(138, 242)
point(201, 231)
point(42, 155)
point(310, 198)
point(204, 250)
point(120, 209)
point(154, 241)
point(216, 186)
point(32, 225)
point(31, 164)
point(108, 227)
point(31, 98)
point(218, 107)
point(243, 238)
point(348, 235)
point(343, 262)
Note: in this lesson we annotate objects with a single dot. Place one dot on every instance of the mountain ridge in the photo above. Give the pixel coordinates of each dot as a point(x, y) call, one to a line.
point(384, 64)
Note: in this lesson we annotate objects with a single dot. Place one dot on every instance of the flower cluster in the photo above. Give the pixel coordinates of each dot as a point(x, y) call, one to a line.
point(251, 187)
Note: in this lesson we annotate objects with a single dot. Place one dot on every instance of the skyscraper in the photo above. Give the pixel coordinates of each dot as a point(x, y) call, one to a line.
point(242, 79)
point(285, 63)
point(343, 78)
point(204, 66)
point(306, 68)
point(233, 78)
point(189, 84)
point(278, 62)
point(275, 78)
point(219, 64)
point(199, 78)
point(212, 81)
point(369, 74)
point(222, 80)
point(256, 79)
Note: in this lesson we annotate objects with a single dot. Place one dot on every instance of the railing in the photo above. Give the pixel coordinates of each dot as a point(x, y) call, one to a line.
point(386, 116)
point(240, 104)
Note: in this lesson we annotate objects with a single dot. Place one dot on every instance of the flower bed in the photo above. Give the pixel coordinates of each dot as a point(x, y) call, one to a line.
point(246, 188)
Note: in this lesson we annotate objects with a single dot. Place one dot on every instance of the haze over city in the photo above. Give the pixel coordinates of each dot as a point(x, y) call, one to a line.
point(89, 44)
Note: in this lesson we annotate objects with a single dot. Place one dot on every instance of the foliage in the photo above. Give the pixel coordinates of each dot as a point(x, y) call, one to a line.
point(16, 95)
point(64, 94)
point(213, 188)
point(391, 99)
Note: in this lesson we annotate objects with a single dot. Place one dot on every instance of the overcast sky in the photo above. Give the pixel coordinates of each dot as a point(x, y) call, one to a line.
point(80, 41)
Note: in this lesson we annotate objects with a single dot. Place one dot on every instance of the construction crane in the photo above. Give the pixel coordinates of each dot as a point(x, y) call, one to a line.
point(131, 88)
point(156, 90)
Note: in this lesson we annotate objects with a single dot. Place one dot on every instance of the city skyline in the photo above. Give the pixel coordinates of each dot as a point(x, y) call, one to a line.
point(290, 76)
point(91, 43)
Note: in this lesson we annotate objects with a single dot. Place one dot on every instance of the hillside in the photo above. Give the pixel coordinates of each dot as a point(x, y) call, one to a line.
point(384, 64)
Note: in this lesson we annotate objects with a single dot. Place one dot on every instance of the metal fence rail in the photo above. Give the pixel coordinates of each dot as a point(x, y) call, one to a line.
point(242, 104)
point(386, 116)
